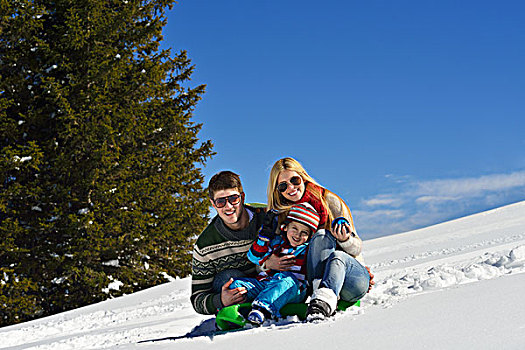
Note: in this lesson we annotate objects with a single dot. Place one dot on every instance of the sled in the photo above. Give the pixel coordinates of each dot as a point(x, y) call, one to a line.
point(234, 316)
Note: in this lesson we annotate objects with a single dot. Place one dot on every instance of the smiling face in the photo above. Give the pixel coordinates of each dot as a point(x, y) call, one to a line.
point(297, 233)
point(232, 214)
point(293, 192)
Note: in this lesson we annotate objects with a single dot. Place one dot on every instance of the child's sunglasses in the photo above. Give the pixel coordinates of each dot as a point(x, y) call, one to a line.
point(233, 199)
point(295, 180)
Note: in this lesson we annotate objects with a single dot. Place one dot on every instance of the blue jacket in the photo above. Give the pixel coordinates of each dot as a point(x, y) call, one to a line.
point(261, 250)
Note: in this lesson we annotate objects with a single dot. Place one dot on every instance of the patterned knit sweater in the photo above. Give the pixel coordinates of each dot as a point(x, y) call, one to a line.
point(218, 248)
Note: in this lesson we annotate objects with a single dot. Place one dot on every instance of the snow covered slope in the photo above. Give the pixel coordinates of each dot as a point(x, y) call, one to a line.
point(456, 285)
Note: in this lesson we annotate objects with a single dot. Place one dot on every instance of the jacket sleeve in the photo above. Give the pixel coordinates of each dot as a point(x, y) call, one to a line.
point(338, 207)
point(261, 250)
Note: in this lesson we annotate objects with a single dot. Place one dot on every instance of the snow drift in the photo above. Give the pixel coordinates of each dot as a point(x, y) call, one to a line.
point(455, 285)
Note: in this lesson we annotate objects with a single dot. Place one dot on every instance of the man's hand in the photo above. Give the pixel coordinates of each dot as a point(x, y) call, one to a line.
point(232, 296)
point(280, 263)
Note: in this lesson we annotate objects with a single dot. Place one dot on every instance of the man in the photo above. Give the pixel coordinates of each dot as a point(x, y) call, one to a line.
point(220, 251)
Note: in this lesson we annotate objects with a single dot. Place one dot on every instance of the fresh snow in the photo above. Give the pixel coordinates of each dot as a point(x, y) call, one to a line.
point(456, 285)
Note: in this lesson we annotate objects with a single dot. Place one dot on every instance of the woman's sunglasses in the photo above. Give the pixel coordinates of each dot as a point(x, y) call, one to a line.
point(233, 199)
point(283, 186)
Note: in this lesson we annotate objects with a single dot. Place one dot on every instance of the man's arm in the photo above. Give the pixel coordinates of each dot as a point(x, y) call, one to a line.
point(203, 299)
point(209, 261)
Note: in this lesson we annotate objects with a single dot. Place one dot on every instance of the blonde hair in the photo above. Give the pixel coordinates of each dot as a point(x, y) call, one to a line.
point(275, 198)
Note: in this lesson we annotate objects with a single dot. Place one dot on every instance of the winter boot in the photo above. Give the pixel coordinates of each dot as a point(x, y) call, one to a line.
point(323, 303)
point(257, 316)
point(317, 310)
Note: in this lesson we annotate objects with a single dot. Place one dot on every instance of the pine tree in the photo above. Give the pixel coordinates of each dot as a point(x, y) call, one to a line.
point(101, 187)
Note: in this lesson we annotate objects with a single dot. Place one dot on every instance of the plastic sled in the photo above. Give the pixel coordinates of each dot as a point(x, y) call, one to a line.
point(234, 316)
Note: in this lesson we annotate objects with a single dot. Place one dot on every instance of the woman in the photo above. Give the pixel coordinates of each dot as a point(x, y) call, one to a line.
point(335, 265)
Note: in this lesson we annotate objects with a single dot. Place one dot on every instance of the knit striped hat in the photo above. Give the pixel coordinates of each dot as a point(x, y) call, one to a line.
point(305, 214)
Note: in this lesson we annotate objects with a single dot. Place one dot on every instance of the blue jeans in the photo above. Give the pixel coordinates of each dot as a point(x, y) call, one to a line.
point(337, 270)
point(273, 293)
point(223, 277)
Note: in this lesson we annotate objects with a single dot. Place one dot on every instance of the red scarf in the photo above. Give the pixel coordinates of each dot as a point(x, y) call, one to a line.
point(309, 197)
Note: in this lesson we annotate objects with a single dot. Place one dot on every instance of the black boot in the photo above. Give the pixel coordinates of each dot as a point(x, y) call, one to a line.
point(323, 303)
point(318, 309)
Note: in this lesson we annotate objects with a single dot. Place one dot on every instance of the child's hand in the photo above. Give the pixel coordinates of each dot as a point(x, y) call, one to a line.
point(267, 232)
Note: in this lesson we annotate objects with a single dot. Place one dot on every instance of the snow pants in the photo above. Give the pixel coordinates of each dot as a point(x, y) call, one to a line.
point(224, 276)
point(272, 293)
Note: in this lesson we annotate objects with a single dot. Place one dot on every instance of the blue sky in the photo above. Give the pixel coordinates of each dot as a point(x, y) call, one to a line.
point(411, 111)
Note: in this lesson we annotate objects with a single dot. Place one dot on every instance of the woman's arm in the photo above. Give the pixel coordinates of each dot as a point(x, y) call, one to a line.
point(350, 242)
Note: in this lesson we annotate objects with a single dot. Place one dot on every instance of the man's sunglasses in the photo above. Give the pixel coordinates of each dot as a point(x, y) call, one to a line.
point(283, 186)
point(233, 199)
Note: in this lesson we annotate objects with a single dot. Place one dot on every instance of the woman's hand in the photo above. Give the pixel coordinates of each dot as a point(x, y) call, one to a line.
point(342, 232)
point(280, 263)
point(371, 282)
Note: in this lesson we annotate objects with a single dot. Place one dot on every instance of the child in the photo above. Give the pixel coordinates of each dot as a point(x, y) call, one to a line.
point(271, 290)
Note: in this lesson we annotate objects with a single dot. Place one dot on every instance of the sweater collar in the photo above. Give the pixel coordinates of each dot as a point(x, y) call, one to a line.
point(248, 233)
